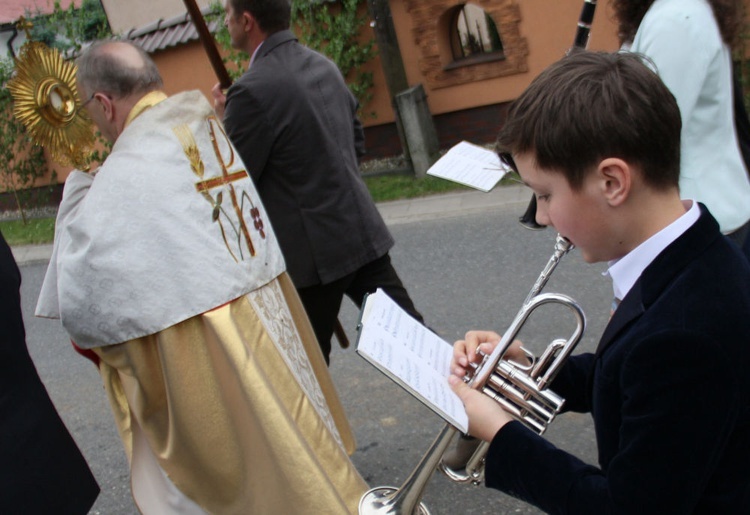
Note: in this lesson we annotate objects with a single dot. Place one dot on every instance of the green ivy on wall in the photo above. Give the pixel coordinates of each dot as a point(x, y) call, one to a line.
point(66, 29)
point(23, 162)
point(335, 29)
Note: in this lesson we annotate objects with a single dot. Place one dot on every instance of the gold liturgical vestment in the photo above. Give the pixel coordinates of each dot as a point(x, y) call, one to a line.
point(219, 380)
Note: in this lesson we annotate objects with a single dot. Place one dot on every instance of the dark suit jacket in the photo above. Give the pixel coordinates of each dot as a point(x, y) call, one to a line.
point(293, 121)
point(669, 391)
point(41, 469)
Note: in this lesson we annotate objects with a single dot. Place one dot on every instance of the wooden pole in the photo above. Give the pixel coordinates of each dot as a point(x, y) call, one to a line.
point(209, 45)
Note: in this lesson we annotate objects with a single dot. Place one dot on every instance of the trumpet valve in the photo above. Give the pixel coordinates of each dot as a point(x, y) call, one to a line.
point(520, 396)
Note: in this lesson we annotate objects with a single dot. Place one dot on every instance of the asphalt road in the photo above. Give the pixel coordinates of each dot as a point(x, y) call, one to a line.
point(464, 272)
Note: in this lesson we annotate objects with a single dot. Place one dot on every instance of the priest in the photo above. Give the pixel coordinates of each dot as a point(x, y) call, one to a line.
point(167, 273)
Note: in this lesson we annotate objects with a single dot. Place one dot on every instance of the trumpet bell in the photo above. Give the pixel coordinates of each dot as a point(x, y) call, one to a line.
point(381, 501)
point(528, 218)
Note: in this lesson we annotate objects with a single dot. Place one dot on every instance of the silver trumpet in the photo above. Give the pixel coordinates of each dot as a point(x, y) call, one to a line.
point(520, 389)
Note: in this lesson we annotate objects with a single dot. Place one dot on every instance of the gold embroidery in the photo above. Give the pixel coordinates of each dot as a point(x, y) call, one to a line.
point(214, 124)
point(220, 181)
point(147, 102)
point(190, 147)
point(272, 309)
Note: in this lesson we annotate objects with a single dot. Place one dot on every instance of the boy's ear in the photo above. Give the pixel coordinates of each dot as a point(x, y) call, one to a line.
point(615, 179)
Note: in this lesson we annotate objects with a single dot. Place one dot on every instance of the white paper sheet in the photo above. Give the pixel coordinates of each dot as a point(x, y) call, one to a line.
point(412, 355)
point(471, 165)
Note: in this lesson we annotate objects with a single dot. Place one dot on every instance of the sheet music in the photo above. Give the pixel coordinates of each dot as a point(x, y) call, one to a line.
point(470, 165)
point(409, 353)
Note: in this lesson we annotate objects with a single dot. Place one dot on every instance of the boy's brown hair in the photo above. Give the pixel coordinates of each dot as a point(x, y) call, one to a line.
point(593, 105)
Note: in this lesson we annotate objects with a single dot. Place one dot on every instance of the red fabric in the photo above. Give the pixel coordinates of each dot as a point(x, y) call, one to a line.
point(86, 353)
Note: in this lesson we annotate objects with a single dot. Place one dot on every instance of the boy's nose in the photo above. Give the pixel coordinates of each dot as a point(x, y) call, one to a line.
point(542, 218)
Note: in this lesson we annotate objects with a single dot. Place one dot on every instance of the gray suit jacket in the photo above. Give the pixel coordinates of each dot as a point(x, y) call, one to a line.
point(293, 121)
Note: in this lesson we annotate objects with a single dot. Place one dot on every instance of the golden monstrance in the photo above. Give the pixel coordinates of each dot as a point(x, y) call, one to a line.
point(46, 102)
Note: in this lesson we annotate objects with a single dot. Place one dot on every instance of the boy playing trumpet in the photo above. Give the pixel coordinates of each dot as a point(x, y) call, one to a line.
point(597, 137)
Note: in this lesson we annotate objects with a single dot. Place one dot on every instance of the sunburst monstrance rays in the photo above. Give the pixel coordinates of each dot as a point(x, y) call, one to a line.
point(46, 102)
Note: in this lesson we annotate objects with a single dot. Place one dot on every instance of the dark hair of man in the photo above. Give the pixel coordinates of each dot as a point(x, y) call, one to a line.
point(630, 13)
point(101, 70)
point(271, 15)
point(593, 105)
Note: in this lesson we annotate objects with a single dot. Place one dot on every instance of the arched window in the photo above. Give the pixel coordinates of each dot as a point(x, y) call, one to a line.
point(446, 60)
point(473, 33)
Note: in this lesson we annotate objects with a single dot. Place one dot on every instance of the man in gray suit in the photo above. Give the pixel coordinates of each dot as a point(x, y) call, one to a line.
point(294, 123)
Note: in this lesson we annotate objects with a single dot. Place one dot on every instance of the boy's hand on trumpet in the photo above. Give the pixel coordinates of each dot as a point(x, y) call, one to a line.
point(486, 416)
point(466, 351)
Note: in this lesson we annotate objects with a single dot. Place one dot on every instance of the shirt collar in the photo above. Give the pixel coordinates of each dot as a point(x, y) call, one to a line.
point(255, 52)
point(625, 271)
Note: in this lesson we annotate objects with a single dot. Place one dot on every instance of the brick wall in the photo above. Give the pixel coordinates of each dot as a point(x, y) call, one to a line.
point(479, 125)
point(32, 198)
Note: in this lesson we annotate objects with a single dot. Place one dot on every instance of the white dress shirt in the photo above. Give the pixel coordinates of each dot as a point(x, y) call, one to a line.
point(625, 271)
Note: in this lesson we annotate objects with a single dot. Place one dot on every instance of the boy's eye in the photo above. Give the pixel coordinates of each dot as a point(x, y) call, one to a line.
point(542, 198)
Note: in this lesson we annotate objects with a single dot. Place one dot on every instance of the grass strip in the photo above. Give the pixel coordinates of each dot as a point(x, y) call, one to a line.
point(396, 187)
point(34, 231)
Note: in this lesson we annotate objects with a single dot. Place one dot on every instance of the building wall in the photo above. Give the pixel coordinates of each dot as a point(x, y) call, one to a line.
point(474, 110)
point(124, 15)
point(478, 125)
point(186, 68)
point(547, 27)
point(11, 43)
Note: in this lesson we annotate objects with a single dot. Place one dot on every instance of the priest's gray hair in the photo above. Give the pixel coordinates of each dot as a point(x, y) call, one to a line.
point(104, 67)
